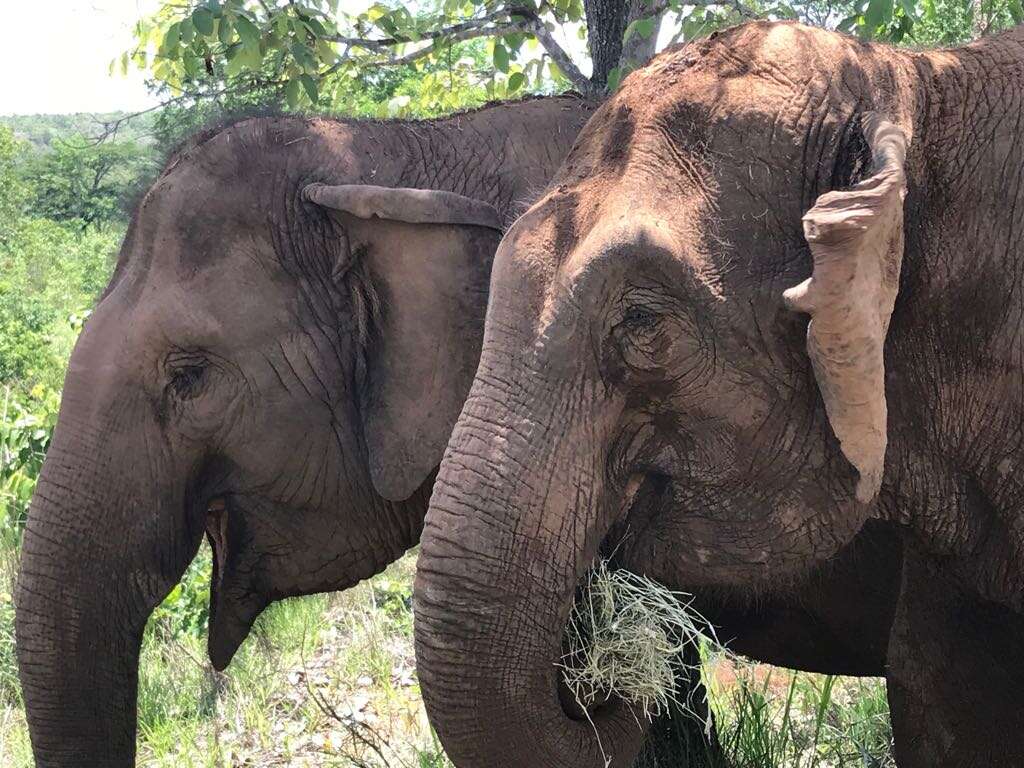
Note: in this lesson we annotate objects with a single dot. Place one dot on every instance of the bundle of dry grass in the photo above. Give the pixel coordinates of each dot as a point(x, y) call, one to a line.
point(628, 637)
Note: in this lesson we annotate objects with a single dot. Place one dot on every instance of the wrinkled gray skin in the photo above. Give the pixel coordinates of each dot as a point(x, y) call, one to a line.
point(271, 371)
point(650, 387)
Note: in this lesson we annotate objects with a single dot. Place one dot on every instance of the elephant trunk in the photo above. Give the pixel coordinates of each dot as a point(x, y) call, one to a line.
point(102, 547)
point(512, 528)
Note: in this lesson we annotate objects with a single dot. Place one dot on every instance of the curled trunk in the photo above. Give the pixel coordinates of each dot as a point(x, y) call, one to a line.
point(511, 530)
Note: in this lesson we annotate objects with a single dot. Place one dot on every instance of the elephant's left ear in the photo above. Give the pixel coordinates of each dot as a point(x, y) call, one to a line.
point(856, 239)
point(428, 254)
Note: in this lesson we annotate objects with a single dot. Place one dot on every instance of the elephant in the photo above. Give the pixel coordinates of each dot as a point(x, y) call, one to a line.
point(292, 326)
point(759, 341)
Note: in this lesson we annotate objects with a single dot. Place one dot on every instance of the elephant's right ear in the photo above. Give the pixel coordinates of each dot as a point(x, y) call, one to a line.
point(429, 255)
point(856, 239)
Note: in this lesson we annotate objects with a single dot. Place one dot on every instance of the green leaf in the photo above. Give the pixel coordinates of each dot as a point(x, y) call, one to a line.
point(124, 63)
point(252, 56)
point(614, 78)
point(192, 65)
point(187, 31)
point(501, 57)
point(847, 24)
point(291, 93)
point(316, 27)
point(171, 40)
point(515, 42)
point(236, 60)
point(325, 51)
point(878, 14)
point(281, 24)
point(516, 81)
point(225, 30)
point(303, 56)
point(203, 20)
point(309, 85)
point(641, 27)
point(247, 31)
point(910, 9)
point(1016, 11)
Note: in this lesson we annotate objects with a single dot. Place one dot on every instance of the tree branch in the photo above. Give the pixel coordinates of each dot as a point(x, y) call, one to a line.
point(419, 53)
point(528, 22)
point(580, 81)
point(455, 32)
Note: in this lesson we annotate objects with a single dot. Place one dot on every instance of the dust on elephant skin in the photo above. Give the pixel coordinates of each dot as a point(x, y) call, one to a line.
point(758, 340)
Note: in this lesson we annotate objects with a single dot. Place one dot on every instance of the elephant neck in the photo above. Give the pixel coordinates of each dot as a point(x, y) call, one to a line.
point(953, 356)
point(966, 146)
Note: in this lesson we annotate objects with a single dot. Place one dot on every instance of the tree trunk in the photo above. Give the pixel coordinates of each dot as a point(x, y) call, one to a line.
point(638, 50)
point(606, 24)
point(607, 21)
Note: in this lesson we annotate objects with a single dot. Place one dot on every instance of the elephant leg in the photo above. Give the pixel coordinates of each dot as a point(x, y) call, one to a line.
point(954, 674)
point(679, 738)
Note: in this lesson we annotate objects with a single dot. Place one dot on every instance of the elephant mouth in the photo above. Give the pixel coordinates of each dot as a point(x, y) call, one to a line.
point(233, 609)
point(644, 496)
point(217, 534)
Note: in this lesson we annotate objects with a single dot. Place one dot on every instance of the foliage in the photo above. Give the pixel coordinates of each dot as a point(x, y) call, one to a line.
point(300, 52)
point(186, 609)
point(770, 717)
point(40, 132)
point(312, 53)
point(25, 352)
point(24, 437)
point(930, 22)
point(86, 183)
point(12, 191)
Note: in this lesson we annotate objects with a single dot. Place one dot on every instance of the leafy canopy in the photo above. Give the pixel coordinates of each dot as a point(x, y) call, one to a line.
point(314, 52)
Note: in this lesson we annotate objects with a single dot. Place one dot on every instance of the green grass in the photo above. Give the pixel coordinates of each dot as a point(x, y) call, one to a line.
point(329, 681)
point(769, 717)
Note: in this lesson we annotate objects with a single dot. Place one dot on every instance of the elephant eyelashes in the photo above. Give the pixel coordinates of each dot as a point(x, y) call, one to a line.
point(187, 381)
point(639, 318)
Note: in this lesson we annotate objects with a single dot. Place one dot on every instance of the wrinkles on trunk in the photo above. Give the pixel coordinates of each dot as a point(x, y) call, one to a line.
point(95, 562)
point(514, 522)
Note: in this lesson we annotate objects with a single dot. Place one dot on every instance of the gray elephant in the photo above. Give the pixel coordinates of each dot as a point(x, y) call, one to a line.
point(277, 363)
point(774, 292)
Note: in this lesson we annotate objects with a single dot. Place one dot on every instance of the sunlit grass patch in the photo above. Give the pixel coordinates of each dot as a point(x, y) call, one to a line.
point(769, 717)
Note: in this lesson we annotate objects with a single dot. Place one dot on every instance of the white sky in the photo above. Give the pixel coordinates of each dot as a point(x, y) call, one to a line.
point(65, 69)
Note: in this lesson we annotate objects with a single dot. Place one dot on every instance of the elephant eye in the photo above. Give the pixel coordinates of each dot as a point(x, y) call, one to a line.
point(186, 382)
point(639, 318)
point(187, 374)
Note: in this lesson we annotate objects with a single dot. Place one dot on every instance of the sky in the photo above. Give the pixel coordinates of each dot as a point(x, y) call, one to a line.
point(65, 67)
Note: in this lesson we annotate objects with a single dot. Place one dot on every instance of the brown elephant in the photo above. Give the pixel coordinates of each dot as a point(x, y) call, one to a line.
point(773, 292)
point(292, 327)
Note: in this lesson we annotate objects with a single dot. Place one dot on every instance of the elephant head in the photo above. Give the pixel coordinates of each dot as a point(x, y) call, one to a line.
point(277, 363)
point(650, 389)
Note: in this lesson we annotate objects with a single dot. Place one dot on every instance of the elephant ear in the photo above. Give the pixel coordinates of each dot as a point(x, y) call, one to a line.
point(428, 254)
point(856, 240)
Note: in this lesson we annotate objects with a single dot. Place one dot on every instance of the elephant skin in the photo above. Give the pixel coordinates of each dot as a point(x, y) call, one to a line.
point(759, 340)
point(292, 327)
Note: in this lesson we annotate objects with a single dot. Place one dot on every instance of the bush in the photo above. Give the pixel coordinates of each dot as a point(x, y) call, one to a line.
point(25, 431)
